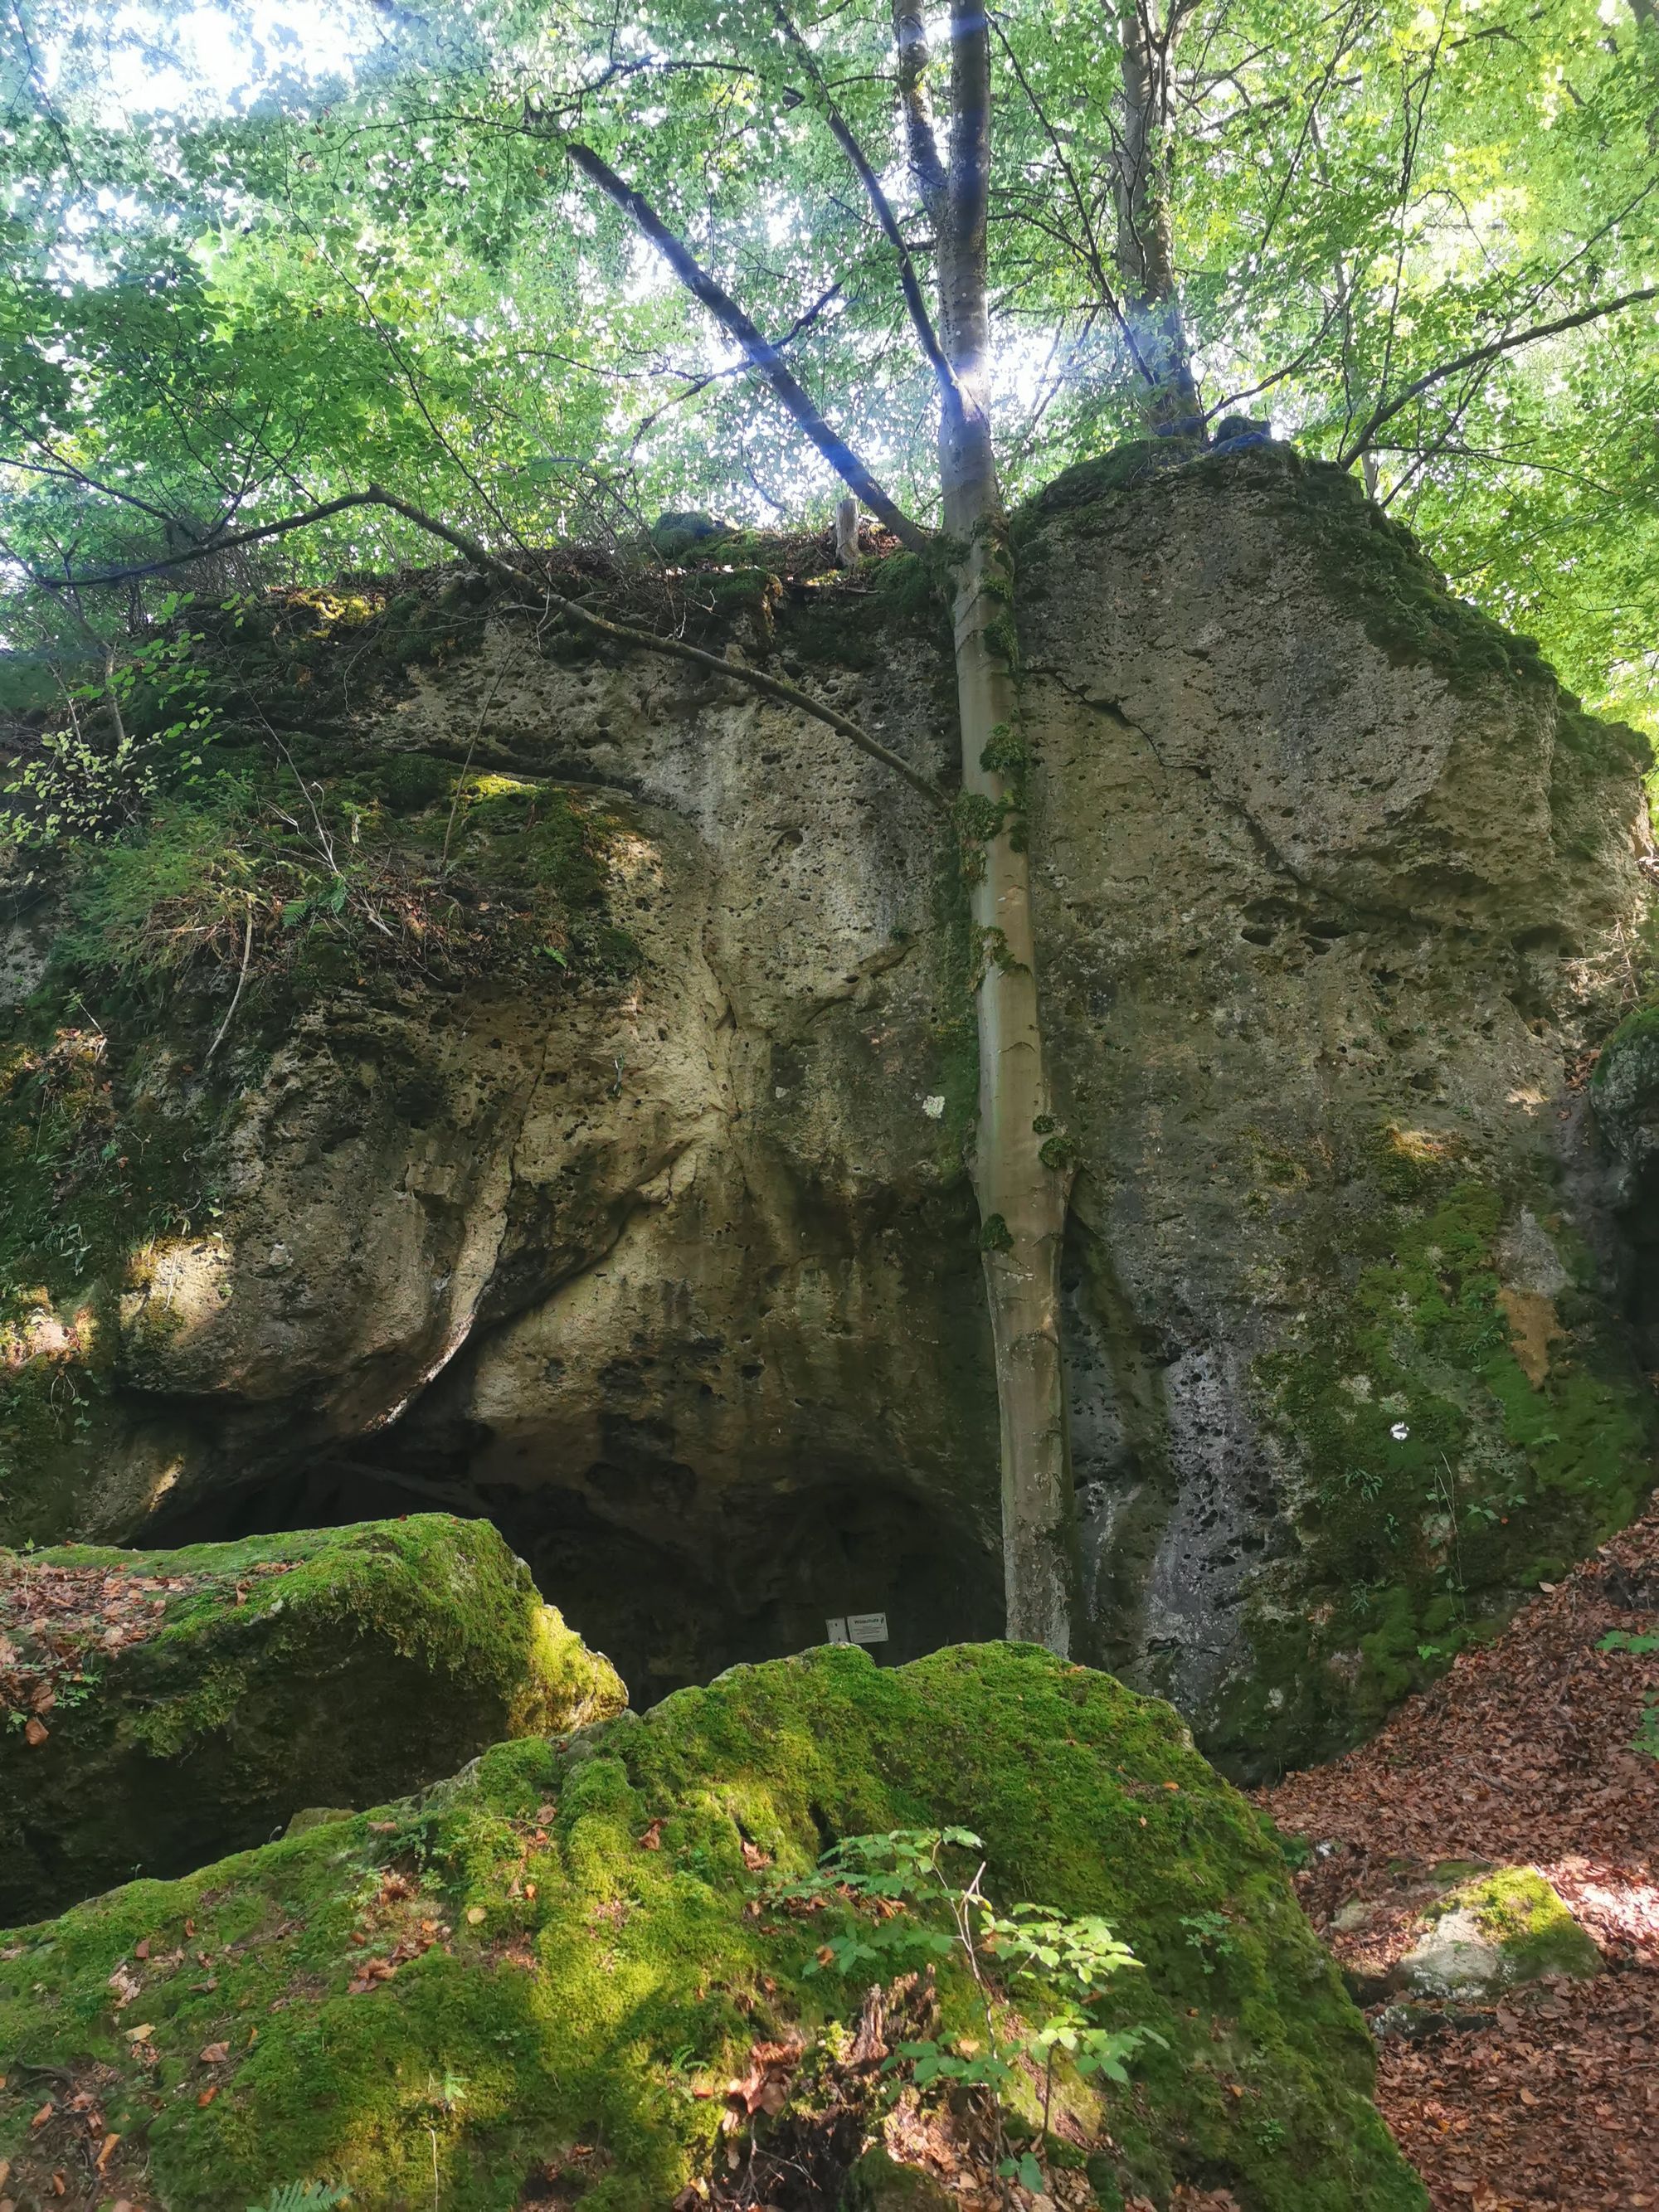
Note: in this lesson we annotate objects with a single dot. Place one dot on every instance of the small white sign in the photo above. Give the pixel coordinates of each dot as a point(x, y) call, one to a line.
point(837, 1631)
point(866, 1628)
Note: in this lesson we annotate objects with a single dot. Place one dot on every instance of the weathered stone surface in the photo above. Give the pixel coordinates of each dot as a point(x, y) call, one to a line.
point(166, 1707)
point(676, 1278)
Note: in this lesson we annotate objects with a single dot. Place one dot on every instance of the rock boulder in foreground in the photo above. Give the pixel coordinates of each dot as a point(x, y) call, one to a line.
point(569, 1976)
point(166, 1707)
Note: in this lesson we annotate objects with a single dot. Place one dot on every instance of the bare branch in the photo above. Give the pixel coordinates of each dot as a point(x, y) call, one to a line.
point(762, 354)
point(673, 648)
point(1093, 254)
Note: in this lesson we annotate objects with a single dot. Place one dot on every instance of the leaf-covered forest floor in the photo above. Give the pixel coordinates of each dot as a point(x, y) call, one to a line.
point(1521, 1754)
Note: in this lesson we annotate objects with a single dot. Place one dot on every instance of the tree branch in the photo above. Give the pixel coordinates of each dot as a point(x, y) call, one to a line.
point(763, 356)
point(1092, 254)
point(673, 648)
point(910, 36)
point(909, 284)
point(1479, 354)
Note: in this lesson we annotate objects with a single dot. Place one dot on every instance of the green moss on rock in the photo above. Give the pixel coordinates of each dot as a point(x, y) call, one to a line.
point(1435, 1477)
point(1519, 1911)
point(1491, 1933)
point(1626, 1088)
point(1086, 482)
point(551, 1968)
point(166, 1707)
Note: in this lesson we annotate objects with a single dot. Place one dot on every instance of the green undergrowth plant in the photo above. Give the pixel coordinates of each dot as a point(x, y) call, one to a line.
point(583, 1930)
point(140, 727)
point(1035, 1973)
point(1646, 1738)
point(273, 874)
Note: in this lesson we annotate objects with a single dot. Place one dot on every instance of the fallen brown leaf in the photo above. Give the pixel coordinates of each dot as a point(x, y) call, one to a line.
point(1519, 1755)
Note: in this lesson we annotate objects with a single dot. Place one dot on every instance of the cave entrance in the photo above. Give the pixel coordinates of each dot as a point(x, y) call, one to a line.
point(673, 1588)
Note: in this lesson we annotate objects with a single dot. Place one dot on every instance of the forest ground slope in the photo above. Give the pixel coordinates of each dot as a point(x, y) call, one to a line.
point(1522, 1754)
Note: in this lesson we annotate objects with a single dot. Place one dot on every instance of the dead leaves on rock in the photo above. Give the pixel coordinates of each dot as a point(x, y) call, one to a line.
point(57, 1622)
point(415, 1934)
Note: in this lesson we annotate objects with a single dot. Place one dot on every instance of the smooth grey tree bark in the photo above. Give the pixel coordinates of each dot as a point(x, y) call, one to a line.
point(1020, 1161)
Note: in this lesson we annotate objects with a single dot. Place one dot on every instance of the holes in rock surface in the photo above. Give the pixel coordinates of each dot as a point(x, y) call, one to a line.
point(673, 1577)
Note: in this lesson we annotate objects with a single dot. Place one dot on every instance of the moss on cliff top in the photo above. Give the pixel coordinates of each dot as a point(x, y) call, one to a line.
point(1084, 482)
point(1371, 565)
point(165, 1707)
point(543, 1975)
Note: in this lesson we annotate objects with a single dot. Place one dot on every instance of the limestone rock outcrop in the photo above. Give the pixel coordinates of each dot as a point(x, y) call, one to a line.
point(671, 1269)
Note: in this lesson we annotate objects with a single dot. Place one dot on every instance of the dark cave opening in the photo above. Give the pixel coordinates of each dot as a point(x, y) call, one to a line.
point(672, 1584)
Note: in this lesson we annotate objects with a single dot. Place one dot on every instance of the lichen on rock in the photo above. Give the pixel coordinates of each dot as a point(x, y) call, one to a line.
point(548, 1976)
point(163, 1708)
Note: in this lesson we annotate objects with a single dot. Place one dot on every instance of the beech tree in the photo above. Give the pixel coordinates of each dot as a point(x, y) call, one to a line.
point(520, 266)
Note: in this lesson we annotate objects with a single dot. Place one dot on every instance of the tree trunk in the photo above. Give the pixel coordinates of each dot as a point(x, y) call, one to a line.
point(1021, 1162)
point(1145, 257)
point(846, 533)
point(1022, 1194)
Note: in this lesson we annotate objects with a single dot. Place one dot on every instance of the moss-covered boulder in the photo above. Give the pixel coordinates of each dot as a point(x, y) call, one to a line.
point(166, 1707)
point(575, 1971)
point(1493, 1933)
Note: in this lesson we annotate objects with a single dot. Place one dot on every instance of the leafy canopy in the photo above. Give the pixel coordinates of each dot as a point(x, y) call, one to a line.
point(256, 254)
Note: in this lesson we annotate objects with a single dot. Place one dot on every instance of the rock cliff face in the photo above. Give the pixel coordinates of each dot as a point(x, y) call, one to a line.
point(674, 1275)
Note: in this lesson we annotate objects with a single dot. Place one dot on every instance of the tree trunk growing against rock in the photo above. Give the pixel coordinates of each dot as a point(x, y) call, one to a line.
point(1020, 1161)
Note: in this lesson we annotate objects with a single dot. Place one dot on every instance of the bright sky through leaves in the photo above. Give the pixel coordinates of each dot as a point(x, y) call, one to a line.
point(264, 250)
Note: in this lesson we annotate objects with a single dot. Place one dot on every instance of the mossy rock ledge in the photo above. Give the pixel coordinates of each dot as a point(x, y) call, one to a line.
point(538, 1983)
point(166, 1707)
